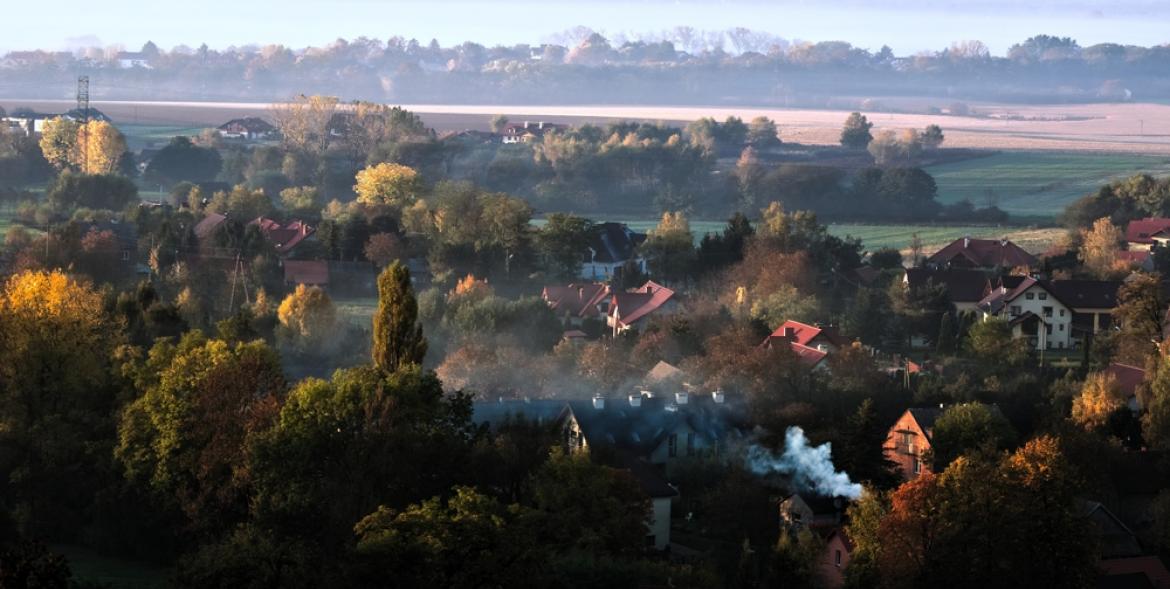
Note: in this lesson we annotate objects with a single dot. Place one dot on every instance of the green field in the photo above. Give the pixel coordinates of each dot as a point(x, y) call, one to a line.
point(100, 571)
point(140, 136)
point(1037, 184)
point(933, 236)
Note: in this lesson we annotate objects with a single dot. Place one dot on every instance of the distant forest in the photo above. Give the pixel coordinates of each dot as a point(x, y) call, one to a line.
point(684, 66)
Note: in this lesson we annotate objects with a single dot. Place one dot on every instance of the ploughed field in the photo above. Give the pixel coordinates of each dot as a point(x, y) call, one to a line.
point(1123, 128)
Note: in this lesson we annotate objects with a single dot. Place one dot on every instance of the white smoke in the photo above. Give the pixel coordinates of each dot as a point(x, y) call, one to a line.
point(809, 467)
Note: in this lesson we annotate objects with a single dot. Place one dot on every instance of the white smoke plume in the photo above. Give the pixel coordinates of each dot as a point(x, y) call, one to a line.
point(809, 467)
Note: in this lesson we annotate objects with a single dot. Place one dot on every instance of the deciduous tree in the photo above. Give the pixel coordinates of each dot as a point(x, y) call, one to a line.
point(388, 184)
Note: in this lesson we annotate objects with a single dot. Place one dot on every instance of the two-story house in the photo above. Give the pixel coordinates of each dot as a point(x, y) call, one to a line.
point(908, 440)
point(1142, 234)
point(807, 510)
point(812, 344)
point(1033, 311)
point(965, 286)
point(610, 247)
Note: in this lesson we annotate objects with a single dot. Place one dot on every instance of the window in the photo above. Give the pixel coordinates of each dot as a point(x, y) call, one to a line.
point(1030, 296)
point(1015, 310)
point(1044, 296)
point(691, 444)
point(125, 255)
point(1061, 327)
point(672, 445)
point(1048, 329)
point(837, 558)
point(1062, 312)
point(1047, 311)
point(650, 540)
point(916, 466)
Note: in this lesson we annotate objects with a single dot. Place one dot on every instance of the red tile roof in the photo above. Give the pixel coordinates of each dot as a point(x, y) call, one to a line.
point(578, 300)
point(804, 334)
point(1143, 230)
point(284, 237)
point(983, 253)
point(810, 357)
point(203, 229)
point(310, 272)
point(1128, 377)
point(628, 307)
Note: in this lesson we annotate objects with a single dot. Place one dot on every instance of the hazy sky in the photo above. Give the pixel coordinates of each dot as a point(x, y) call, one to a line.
point(906, 25)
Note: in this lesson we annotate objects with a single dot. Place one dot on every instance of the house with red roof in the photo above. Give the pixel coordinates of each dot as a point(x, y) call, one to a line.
point(1128, 379)
point(578, 301)
point(1142, 234)
point(307, 272)
point(982, 253)
point(284, 237)
point(812, 344)
point(631, 310)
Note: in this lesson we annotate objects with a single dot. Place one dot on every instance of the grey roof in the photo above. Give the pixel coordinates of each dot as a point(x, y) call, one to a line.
point(614, 242)
point(641, 429)
point(492, 413)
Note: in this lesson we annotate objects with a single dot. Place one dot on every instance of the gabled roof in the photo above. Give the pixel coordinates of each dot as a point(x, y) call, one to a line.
point(925, 418)
point(1086, 294)
point(492, 413)
point(613, 243)
point(578, 300)
point(663, 371)
point(641, 429)
point(963, 285)
point(999, 298)
point(1143, 230)
point(249, 124)
point(628, 307)
point(983, 253)
point(809, 357)
point(284, 237)
point(309, 272)
point(208, 225)
point(1128, 378)
point(804, 334)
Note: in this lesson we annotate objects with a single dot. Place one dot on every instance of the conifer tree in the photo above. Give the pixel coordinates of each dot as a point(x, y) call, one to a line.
point(398, 336)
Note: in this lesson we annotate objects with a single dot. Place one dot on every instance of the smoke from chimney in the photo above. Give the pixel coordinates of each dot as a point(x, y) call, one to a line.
point(810, 468)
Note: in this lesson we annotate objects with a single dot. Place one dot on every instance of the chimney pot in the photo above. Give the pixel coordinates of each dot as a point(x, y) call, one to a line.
point(967, 241)
point(680, 398)
point(598, 402)
point(636, 400)
point(717, 395)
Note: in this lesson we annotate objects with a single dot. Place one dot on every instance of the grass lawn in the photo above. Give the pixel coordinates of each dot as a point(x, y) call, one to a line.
point(113, 573)
point(1037, 184)
point(934, 237)
point(359, 312)
point(140, 135)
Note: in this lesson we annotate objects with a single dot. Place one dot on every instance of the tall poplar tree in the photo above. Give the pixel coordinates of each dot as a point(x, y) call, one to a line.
point(398, 336)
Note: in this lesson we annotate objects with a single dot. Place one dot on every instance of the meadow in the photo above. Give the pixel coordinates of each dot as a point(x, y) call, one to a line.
point(1037, 185)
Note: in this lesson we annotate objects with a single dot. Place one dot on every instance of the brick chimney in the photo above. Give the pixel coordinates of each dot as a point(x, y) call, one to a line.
point(790, 334)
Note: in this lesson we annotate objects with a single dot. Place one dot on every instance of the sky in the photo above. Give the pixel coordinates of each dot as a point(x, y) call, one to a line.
point(907, 26)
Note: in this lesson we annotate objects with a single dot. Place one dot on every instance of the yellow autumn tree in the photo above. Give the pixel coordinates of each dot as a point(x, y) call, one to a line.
point(100, 148)
point(59, 142)
point(469, 289)
point(388, 184)
point(1099, 397)
point(1099, 247)
point(307, 317)
point(54, 340)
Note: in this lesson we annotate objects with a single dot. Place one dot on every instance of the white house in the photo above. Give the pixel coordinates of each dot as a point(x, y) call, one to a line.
point(1034, 312)
point(611, 245)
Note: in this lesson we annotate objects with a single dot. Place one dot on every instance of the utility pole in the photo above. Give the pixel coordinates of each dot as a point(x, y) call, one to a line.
point(83, 108)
